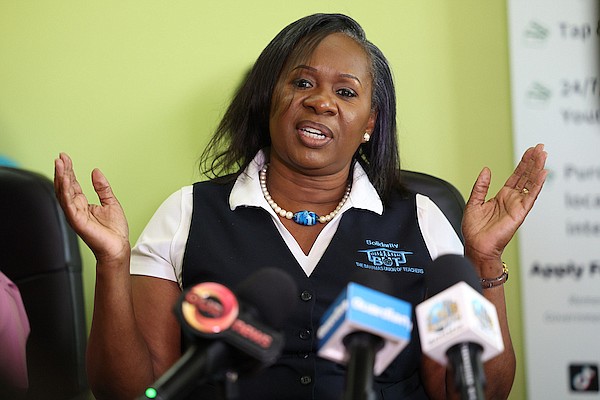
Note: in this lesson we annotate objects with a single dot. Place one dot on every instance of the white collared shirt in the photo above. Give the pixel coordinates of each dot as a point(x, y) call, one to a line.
point(160, 248)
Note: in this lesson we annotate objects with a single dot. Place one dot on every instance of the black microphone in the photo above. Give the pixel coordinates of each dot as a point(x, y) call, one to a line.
point(457, 325)
point(365, 329)
point(230, 334)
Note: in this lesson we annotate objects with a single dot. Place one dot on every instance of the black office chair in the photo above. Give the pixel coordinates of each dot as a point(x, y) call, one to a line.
point(40, 254)
point(442, 193)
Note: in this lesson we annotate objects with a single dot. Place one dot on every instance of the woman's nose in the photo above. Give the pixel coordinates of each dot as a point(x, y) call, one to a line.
point(321, 103)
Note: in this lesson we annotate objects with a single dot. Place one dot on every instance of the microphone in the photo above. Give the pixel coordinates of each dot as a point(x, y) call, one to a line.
point(364, 329)
point(458, 326)
point(229, 334)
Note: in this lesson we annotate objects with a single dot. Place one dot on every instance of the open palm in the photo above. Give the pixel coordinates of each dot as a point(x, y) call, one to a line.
point(102, 227)
point(489, 225)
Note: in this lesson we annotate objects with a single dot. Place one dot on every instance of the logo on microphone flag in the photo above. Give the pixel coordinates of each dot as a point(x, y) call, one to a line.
point(359, 308)
point(457, 315)
point(210, 307)
point(211, 310)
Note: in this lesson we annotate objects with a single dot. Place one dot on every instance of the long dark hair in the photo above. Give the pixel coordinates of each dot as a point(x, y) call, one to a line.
point(244, 129)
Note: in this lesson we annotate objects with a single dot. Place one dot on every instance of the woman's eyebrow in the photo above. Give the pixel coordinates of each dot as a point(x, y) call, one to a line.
point(313, 69)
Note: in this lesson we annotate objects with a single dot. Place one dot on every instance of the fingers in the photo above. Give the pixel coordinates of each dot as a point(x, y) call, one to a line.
point(65, 182)
point(480, 188)
point(519, 176)
point(529, 175)
point(67, 188)
point(537, 174)
point(536, 187)
point(102, 188)
point(59, 170)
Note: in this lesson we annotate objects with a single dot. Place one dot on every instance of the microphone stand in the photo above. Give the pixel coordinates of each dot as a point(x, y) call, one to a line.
point(469, 376)
point(362, 347)
point(192, 369)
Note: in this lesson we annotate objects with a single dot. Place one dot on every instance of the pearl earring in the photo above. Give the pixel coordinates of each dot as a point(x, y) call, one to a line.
point(366, 137)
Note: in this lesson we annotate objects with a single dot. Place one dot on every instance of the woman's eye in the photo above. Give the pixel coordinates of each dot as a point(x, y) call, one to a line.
point(346, 92)
point(302, 83)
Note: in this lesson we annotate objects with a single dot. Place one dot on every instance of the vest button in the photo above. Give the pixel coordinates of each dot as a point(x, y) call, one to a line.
point(305, 380)
point(306, 295)
point(304, 334)
point(303, 355)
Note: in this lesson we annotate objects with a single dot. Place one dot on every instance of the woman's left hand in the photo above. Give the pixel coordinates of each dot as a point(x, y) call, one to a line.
point(489, 225)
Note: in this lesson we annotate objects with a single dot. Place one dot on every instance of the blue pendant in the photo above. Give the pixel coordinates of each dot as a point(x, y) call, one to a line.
point(305, 217)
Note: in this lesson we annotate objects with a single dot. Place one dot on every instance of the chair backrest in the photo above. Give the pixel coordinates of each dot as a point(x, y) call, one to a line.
point(40, 253)
point(442, 193)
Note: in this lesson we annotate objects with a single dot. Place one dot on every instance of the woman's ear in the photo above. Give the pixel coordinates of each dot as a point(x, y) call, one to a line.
point(370, 126)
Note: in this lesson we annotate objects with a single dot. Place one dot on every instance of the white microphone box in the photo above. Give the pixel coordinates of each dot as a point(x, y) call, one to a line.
point(456, 315)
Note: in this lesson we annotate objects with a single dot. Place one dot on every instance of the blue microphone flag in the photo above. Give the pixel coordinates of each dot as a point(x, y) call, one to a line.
point(359, 308)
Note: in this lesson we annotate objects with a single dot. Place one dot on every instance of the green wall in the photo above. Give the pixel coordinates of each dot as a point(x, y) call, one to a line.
point(136, 87)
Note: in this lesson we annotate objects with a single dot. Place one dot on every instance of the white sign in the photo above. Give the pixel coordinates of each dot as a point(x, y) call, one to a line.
point(555, 73)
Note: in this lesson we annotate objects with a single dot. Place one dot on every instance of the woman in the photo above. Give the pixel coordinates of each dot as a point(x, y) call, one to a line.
point(312, 128)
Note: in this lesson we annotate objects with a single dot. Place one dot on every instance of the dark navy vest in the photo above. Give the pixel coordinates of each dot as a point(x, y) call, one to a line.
point(228, 246)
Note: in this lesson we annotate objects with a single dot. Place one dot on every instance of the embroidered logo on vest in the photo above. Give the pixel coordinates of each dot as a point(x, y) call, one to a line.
point(389, 258)
point(383, 258)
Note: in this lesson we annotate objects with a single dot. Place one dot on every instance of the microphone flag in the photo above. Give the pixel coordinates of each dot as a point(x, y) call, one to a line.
point(361, 309)
point(210, 310)
point(457, 315)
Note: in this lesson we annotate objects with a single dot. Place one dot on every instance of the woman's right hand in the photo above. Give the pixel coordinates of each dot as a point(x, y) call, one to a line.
point(102, 227)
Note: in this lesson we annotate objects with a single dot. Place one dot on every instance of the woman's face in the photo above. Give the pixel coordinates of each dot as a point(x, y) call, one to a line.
point(322, 108)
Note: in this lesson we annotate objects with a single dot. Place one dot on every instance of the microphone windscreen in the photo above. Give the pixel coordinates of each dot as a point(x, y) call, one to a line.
point(272, 292)
point(449, 269)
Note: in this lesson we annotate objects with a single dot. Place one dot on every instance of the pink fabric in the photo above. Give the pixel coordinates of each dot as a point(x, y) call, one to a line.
point(14, 331)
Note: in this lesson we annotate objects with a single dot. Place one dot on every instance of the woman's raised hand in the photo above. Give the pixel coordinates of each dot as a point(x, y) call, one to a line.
point(489, 225)
point(102, 227)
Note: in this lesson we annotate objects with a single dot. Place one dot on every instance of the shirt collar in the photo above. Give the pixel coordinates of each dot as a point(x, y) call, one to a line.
point(246, 191)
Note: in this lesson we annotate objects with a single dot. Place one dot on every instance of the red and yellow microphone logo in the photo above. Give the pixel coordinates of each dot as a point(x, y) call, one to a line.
point(210, 307)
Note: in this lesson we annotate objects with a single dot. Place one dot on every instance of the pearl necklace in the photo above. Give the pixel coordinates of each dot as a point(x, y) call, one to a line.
point(304, 217)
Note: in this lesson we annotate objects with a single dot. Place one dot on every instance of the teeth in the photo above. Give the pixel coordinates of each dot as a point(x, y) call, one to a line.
point(313, 133)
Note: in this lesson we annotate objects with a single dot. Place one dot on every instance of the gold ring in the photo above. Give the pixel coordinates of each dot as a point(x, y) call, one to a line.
point(524, 190)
